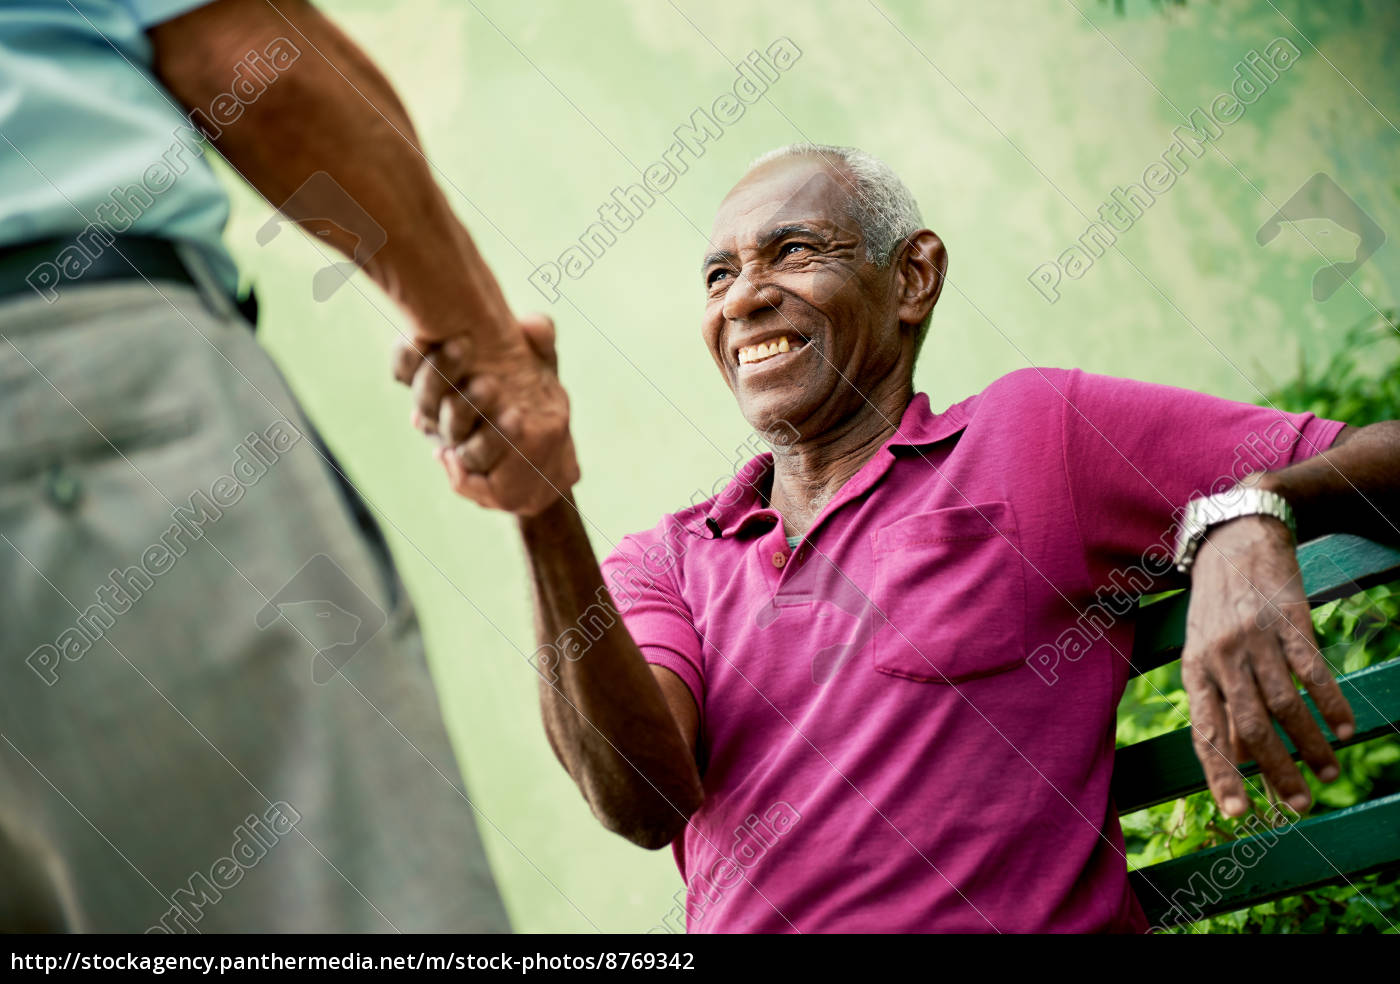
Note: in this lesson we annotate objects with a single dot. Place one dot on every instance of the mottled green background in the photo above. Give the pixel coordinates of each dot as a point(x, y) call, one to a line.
point(1010, 121)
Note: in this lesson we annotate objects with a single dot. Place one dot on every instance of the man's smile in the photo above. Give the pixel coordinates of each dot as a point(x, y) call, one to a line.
point(776, 349)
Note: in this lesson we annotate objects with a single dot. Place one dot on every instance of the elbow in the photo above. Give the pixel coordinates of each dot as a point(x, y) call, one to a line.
point(653, 824)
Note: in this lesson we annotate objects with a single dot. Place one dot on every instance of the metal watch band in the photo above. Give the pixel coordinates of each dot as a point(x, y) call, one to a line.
point(1212, 510)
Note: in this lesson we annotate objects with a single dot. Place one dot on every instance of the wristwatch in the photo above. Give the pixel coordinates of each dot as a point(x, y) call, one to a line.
point(1212, 510)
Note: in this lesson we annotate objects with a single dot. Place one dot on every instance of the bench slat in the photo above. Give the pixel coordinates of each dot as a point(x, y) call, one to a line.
point(1334, 566)
point(1324, 850)
point(1165, 768)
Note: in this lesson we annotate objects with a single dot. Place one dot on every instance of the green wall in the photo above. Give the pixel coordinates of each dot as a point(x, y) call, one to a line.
point(1010, 122)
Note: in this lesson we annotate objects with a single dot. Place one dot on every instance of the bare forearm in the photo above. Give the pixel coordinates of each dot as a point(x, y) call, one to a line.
point(1354, 487)
point(604, 712)
point(333, 111)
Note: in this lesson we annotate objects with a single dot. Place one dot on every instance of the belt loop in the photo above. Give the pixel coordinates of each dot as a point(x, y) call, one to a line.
point(215, 298)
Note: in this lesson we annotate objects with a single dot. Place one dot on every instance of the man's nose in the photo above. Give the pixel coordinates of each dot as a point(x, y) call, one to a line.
point(745, 298)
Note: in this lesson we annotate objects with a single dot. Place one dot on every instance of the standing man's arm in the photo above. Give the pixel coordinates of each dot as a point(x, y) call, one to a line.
point(333, 111)
point(1249, 631)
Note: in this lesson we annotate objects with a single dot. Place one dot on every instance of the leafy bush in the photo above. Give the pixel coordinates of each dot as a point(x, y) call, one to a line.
point(1360, 384)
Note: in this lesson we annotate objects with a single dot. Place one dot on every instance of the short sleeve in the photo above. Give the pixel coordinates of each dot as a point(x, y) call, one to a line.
point(149, 13)
point(644, 590)
point(1135, 453)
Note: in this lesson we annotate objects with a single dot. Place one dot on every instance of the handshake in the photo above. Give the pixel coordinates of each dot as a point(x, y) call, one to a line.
point(500, 415)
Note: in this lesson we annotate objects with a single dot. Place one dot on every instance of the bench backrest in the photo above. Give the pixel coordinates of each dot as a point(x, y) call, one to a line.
point(1336, 846)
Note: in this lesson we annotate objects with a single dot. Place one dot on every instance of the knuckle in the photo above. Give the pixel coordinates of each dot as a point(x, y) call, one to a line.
point(1283, 701)
point(1227, 641)
point(481, 390)
point(1205, 738)
point(1319, 674)
point(1193, 671)
point(1252, 729)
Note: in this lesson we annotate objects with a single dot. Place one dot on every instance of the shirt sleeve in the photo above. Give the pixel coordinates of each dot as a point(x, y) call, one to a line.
point(1135, 453)
point(149, 13)
point(643, 588)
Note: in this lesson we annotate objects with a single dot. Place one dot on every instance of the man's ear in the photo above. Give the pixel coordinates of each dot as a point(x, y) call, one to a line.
point(923, 266)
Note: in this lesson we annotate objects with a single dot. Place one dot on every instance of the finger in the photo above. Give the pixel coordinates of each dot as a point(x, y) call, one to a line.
point(443, 369)
point(539, 332)
point(1254, 724)
point(1209, 736)
point(1238, 753)
point(477, 488)
point(484, 395)
point(408, 356)
point(430, 386)
point(1310, 666)
point(1286, 705)
point(456, 418)
point(480, 398)
point(484, 450)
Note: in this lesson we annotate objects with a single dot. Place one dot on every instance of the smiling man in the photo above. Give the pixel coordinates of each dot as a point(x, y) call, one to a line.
point(816, 686)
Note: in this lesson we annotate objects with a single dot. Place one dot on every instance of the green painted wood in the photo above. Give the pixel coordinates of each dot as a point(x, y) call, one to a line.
point(1166, 767)
point(1334, 566)
point(1330, 849)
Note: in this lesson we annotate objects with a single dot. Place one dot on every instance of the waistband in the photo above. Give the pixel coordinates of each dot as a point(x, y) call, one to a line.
point(49, 266)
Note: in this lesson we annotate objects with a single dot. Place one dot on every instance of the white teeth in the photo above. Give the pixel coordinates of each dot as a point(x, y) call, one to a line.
point(757, 353)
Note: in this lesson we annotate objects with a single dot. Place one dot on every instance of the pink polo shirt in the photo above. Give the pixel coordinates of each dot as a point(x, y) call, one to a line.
point(907, 722)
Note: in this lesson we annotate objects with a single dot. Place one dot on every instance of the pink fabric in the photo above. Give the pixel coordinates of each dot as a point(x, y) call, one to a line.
point(906, 725)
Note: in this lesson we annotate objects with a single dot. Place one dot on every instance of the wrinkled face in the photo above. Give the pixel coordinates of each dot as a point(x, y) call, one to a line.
point(802, 327)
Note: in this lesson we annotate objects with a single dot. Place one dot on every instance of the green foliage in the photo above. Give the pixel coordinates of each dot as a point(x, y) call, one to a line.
point(1360, 384)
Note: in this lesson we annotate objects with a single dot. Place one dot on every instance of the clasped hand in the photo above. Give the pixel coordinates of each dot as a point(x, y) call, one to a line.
point(501, 416)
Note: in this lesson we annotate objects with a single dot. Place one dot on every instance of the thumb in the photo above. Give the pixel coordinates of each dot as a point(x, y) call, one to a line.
point(408, 356)
point(539, 333)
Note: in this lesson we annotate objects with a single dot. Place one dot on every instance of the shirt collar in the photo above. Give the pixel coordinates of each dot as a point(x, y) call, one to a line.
point(742, 500)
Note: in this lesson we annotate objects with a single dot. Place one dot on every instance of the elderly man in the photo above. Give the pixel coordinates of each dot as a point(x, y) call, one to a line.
point(820, 689)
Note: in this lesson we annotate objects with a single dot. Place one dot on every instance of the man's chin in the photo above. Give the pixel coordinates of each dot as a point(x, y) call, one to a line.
point(775, 416)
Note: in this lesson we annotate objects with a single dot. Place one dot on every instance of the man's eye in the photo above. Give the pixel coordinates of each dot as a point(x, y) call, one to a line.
point(714, 277)
point(788, 247)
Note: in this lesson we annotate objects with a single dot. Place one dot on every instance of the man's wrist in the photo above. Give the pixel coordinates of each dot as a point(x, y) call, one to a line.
point(555, 524)
point(1246, 499)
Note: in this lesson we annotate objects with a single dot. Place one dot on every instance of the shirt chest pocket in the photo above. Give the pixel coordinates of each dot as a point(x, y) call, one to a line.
point(950, 585)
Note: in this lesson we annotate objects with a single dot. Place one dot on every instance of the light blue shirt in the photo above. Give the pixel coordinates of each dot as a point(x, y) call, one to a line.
point(88, 135)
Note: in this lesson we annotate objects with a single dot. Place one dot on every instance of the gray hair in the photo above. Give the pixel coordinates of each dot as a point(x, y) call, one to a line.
point(879, 203)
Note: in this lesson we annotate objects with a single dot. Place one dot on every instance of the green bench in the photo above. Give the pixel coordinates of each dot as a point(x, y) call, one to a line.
point(1332, 847)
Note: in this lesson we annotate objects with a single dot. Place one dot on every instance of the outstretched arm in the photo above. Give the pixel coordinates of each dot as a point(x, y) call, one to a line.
point(625, 731)
point(332, 111)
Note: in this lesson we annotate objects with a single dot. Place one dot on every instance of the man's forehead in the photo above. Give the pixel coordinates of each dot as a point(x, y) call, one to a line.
point(789, 191)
